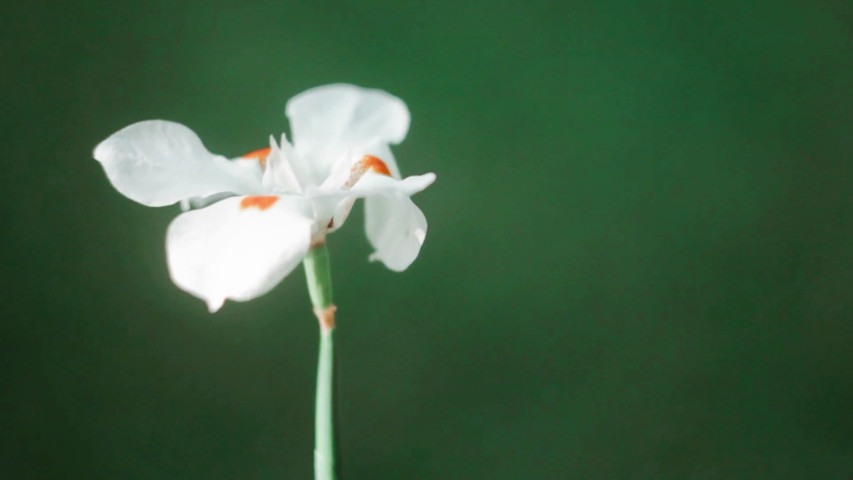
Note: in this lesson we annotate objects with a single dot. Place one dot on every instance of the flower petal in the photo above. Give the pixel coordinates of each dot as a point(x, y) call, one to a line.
point(383, 152)
point(159, 163)
point(396, 228)
point(280, 175)
point(374, 184)
point(239, 248)
point(333, 118)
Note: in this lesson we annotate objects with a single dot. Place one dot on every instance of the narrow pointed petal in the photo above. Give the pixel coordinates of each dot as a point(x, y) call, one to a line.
point(396, 228)
point(159, 163)
point(329, 119)
point(238, 249)
point(280, 175)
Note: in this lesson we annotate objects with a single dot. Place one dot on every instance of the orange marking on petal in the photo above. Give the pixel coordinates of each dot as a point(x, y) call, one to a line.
point(260, 155)
point(261, 202)
point(367, 162)
point(375, 164)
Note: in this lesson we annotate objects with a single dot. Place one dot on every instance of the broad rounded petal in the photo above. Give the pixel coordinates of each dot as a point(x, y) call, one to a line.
point(396, 228)
point(333, 118)
point(238, 249)
point(374, 184)
point(159, 163)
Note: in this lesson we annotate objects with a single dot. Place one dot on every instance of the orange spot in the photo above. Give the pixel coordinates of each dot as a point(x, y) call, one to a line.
point(260, 202)
point(260, 155)
point(369, 162)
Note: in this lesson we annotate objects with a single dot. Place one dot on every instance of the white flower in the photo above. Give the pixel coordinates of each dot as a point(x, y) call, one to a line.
point(262, 212)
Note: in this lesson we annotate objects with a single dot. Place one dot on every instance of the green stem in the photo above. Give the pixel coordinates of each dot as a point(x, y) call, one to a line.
point(324, 442)
point(319, 278)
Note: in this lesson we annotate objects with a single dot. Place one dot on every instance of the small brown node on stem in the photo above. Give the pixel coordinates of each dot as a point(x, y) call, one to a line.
point(317, 241)
point(326, 317)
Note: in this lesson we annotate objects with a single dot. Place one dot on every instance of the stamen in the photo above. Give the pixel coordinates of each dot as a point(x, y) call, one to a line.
point(368, 162)
point(260, 155)
point(261, 202)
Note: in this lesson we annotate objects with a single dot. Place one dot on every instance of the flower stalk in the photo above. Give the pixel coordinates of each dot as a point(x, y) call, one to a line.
point(319, 277)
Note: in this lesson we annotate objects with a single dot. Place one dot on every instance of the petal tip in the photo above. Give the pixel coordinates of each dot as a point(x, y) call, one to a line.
point(102, 151)
point(428, 179)
point(214, 304)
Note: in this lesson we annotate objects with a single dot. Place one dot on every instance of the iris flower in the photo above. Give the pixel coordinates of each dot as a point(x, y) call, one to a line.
point(249, 221)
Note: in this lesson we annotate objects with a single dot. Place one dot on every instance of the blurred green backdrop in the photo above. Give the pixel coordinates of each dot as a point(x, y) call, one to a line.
point(638, 264)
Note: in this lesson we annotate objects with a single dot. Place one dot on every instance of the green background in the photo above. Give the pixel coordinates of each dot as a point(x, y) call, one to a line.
point(638, 262)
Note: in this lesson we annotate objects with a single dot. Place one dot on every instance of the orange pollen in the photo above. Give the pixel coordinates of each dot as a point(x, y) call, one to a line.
point(260, 155)
point(262, 202)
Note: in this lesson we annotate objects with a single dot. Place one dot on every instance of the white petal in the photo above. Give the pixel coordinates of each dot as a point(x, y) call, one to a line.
point(280, 175)
point(233, 251)
point(396, 228)
point(383, 152)
point(342, 211)
point(201, 202)
point(341, 169)
point(252, 165)
point(159, 163)
point(333, 118)
point(374, 183)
